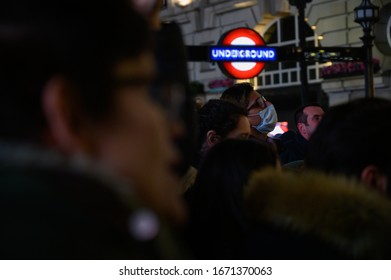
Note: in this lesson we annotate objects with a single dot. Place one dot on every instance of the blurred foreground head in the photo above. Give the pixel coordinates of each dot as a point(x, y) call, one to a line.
point(351, 140)
point(75, 77)
point(150, 9)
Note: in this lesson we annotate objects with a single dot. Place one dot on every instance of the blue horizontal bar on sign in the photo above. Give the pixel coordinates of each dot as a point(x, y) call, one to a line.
point(242, 53)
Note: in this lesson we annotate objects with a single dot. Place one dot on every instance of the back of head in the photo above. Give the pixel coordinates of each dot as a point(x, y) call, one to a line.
point(238, 93)
point(227, 166)
point(172, 88)
point(79, 40)
point(352, 136)
point(216, 199)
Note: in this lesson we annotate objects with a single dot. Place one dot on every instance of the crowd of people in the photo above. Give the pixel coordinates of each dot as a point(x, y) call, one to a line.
point(104, 156)
point(320, 192)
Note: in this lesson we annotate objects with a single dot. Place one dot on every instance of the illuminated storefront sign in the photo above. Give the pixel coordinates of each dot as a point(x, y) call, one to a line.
point(243, 56)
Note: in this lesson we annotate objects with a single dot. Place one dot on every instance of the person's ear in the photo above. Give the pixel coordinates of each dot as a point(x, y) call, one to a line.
point(212, 138)
point(60, 114)
point(374, 178)
point(302, 129)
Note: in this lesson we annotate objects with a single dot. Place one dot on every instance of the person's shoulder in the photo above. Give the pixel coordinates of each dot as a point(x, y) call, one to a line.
point(331, 221)
point(77, 213)
point(286, 136)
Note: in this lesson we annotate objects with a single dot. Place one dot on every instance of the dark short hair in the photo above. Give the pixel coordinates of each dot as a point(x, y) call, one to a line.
point(218, 115)
point(300, 116)
point(80, 40)
point(352, 136)
point(238, 93)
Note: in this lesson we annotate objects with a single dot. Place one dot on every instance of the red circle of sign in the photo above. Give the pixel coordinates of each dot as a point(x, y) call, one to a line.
point(256, 38)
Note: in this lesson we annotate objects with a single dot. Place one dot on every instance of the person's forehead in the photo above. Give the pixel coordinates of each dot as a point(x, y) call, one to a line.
point(313, 110)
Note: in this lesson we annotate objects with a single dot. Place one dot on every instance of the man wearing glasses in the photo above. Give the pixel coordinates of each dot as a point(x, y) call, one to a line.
point(85, 154)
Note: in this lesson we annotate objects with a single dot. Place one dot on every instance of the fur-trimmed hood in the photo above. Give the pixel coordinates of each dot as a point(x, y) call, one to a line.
point(336, 211)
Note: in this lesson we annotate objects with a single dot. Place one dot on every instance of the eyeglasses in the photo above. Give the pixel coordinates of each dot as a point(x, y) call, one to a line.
point(259, 102)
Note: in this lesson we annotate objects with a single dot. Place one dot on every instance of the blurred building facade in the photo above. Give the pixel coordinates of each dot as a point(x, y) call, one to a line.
point(330, 23)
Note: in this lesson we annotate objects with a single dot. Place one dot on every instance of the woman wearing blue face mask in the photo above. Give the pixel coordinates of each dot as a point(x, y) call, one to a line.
point(261, 113)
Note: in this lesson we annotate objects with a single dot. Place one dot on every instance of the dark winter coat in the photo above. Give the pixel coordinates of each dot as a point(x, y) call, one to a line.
point(53, 208)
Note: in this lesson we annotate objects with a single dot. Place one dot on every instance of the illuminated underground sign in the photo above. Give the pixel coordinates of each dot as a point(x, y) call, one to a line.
point(240, 53)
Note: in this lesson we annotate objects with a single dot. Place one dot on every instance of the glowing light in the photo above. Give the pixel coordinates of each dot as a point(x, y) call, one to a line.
point(281, 127)
point(183, 3)
point(245, 4)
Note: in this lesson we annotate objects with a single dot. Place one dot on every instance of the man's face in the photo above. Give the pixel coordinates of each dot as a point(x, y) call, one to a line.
point(135, 141)
point(314, 116)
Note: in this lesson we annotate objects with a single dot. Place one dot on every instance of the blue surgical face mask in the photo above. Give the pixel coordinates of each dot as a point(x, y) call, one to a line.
point(268, 120)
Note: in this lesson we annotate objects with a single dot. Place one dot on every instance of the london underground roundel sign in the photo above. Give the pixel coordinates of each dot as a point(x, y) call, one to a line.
point(241, 70)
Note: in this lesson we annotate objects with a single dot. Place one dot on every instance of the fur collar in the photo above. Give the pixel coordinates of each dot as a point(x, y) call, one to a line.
point(336, 210)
